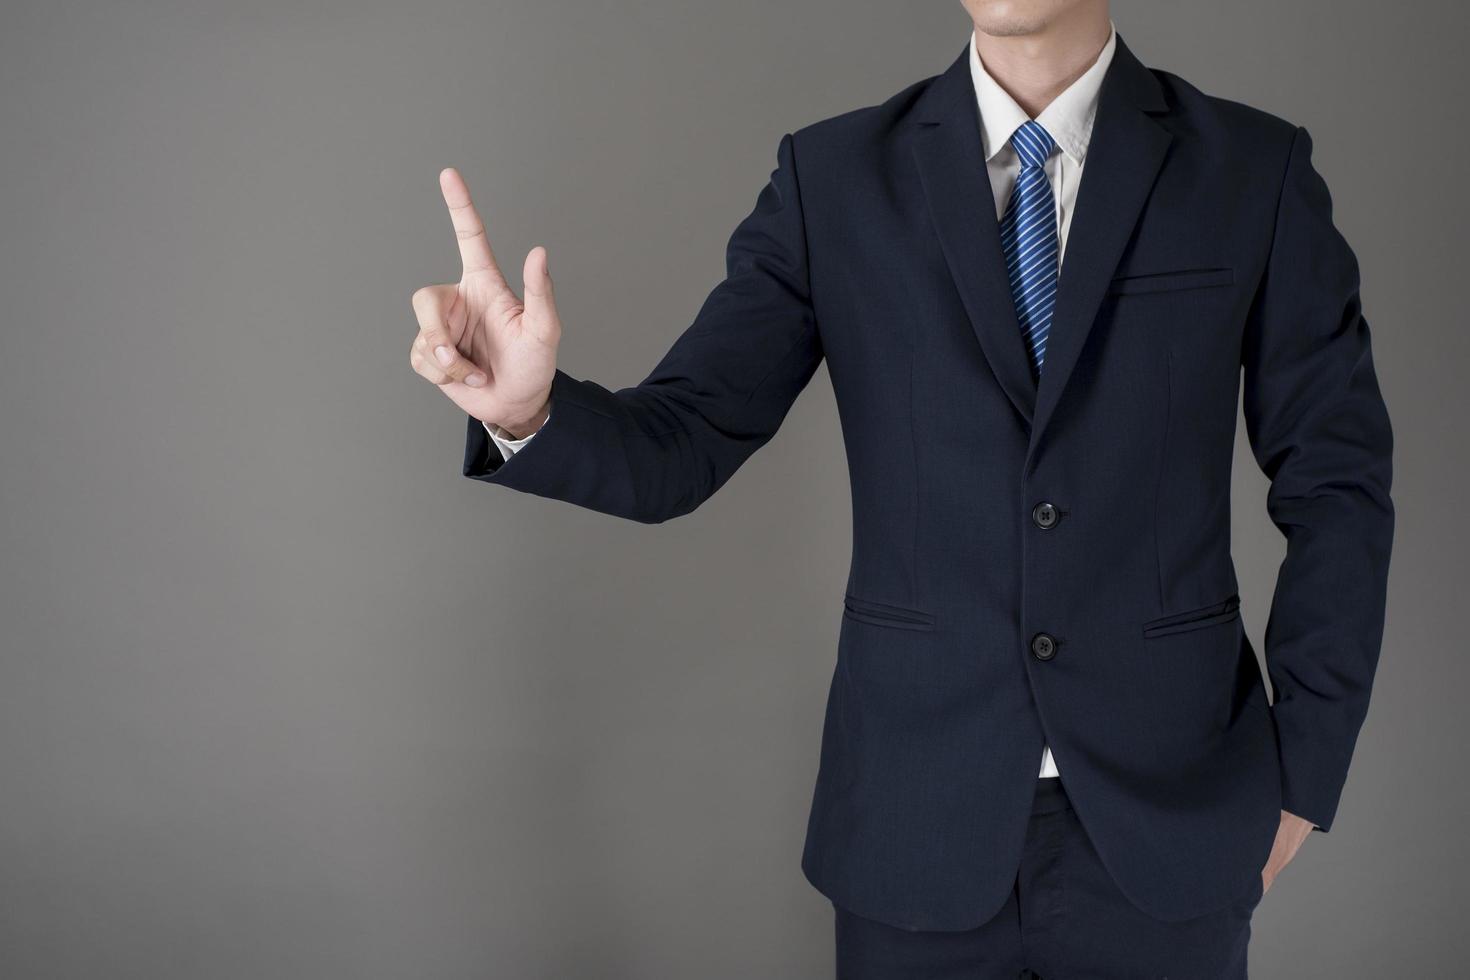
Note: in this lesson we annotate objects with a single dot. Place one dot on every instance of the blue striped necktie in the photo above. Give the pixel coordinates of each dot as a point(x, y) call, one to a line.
point(1028, 237)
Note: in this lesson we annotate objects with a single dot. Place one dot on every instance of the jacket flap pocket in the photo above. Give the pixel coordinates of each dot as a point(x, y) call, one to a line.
point(1193, 619)
point(1154, 282)
point(885, 614)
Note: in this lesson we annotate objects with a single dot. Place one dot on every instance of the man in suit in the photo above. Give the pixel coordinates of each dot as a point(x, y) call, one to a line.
point(1039, 280)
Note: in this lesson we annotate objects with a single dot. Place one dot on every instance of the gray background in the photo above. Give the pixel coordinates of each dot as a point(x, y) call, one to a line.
point(283, 695)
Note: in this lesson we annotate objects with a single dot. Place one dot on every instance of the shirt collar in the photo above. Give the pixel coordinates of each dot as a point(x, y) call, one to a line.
point(1068, 117)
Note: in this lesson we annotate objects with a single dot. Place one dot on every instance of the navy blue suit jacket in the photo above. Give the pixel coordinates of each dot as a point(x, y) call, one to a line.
point(1202, 256)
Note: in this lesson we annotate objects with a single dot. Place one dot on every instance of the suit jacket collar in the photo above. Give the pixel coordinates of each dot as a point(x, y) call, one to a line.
point(1126, 150)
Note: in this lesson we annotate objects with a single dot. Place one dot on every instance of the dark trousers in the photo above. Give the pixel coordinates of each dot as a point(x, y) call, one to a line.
point(1064, 920)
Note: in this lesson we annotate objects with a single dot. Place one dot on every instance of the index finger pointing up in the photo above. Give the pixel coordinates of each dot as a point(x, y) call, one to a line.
point(474, 247)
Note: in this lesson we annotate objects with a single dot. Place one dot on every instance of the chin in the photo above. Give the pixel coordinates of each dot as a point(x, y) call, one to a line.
point(1011, 18)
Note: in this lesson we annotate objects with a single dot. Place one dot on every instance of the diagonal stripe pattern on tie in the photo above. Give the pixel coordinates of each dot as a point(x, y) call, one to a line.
point(1028, 237)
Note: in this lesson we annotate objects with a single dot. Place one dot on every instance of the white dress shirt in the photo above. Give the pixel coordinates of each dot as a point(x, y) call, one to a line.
point(1068, 118)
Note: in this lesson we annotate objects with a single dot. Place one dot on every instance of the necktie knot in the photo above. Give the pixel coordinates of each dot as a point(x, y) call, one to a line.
point(1033, 143)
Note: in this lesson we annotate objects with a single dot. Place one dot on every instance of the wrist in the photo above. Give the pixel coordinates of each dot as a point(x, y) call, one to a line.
point(520, 427)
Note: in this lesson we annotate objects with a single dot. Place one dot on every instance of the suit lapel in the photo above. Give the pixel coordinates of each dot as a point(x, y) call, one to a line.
point(961, 203)
point(1123, 157)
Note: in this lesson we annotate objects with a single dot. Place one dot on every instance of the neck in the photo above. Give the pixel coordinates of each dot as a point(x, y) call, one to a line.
point(1036, 67)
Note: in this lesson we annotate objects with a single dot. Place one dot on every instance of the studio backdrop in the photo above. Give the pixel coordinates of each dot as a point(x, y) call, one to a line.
point(282, 694)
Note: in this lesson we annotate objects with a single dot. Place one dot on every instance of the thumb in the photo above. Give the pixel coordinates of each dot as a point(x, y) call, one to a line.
point(540, 316)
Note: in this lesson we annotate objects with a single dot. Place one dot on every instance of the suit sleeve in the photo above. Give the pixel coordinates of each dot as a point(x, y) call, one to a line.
point(1319, 430)
point(659, 449)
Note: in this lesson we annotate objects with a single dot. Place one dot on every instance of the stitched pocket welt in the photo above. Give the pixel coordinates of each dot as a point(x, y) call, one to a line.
point(1157, 282)
point(884, 614)
point(1214, 614)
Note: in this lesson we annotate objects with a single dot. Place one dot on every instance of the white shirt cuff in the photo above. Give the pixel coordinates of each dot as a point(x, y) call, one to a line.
point(508, 446)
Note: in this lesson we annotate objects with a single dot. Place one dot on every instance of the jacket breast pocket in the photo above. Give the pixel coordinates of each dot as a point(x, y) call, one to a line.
point(1225, 611)
point(883, 614)
point(1157, 282)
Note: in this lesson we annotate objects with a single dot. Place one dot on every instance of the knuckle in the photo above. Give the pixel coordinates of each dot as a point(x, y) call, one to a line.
point(426, 368)
point(427, 300)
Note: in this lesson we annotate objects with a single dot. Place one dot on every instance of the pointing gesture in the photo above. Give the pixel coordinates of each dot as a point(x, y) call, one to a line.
point(489, 351)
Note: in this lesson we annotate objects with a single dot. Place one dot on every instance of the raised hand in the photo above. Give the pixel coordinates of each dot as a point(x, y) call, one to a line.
point(491, 353)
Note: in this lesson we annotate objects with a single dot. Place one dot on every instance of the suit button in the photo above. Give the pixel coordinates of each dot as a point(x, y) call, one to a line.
point(1043, 646)
point(1044, 515)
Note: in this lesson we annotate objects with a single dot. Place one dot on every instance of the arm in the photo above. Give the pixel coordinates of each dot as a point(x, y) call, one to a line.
point(1320, 432)
point(659, 449)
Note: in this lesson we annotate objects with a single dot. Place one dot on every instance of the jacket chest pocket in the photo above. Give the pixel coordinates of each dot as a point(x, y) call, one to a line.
point(1159, 282)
